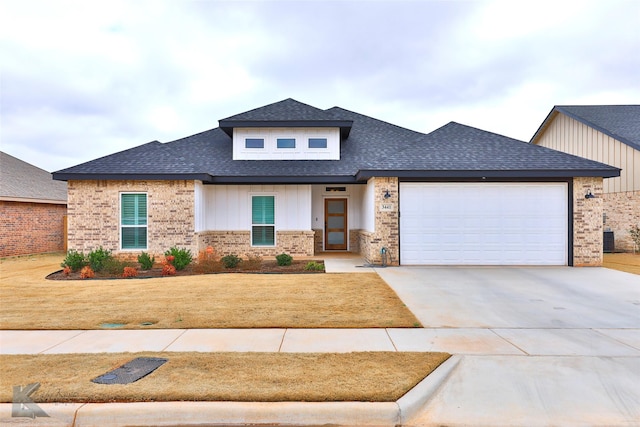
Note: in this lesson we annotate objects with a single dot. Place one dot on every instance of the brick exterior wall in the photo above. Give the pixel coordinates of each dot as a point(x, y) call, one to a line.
point(31, 228)
point(587, 222)
point(387, 232)
point(622, 211)
point(294, 243)
point(318, 241)
point(94, 215)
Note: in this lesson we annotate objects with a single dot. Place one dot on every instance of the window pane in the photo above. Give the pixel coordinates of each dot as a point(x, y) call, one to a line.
point(262, 210)
point(254, 143)
point(336, 207)
point(134, 237)
point(134, 209)
point(263, 235)
point(335, 238)
point(335, 222)
point(286, 143)
point(317, 142)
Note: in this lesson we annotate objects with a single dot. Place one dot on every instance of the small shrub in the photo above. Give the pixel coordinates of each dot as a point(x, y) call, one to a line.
point(87, 273)
point(66, 271)
point(231, 261)
point(130, 272)
point(146, 261)
point(168, 270)
point(207, 262)
point(181, 257)
point(114, 266)
point(253, 262)
point(284, 259)
point(74, 260)
point(635, 235)
point(97, 258)
point(314, 266)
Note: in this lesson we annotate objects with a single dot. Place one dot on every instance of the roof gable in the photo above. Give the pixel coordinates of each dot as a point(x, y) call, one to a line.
point(286, 113)
point(621, 122)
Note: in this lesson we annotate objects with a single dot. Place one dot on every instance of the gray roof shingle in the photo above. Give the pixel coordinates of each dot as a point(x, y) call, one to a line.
point(373, 147)
point(21, 180)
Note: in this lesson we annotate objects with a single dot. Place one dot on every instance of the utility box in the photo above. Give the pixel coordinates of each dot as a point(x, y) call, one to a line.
point(609, 242)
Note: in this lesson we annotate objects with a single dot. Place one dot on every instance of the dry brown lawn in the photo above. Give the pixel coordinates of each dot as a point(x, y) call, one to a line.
point(624, 262)
point(360, 300)
point(266, 377)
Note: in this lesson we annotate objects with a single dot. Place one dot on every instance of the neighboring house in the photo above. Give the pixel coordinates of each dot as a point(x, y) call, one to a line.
point(32, 208)
point(289, 177)
point(609, 134)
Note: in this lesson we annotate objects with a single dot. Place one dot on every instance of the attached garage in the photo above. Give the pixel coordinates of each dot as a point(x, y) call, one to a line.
point(474, 223)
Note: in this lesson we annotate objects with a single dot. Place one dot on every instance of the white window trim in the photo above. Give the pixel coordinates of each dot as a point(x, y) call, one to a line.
point(275, 219)
point(120, 226)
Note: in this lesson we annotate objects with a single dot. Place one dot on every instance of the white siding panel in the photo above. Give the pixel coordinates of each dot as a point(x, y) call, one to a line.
point(228, 207)
point(368, 208)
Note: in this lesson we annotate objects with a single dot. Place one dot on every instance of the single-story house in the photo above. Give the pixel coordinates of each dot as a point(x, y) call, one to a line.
point(33, 208)
point(292, 178)
point(609, 134)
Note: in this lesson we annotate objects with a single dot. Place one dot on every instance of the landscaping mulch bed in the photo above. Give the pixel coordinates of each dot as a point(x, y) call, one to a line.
point(265, 267)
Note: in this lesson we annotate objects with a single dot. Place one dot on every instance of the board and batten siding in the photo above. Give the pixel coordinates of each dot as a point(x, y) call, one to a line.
point(571, 136)
point(228, 207)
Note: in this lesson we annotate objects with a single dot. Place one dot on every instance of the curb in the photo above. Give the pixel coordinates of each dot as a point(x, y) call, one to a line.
point(239, 413)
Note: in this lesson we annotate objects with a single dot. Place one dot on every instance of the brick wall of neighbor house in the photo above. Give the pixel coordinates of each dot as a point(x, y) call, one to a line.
point(621, 212)
point(294, 243)
point(94, 209)
point(387, 233)
point(587, 222)
point(31, 228)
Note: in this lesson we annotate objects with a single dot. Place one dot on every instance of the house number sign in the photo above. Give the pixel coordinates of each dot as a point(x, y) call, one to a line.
point(386, 207)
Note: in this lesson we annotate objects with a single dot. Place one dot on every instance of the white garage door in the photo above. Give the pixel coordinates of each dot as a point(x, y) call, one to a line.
point(483, 223)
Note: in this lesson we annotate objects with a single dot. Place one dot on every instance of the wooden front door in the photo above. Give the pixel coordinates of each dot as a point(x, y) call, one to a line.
point(335, 224)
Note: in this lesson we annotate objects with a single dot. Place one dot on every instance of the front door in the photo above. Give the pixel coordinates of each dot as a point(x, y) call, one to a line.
point(335, 224)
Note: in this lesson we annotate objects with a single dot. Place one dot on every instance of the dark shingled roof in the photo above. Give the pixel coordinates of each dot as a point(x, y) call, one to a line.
point(372, 148)
point(621, 122)
point(286, 113)
point(22, 181)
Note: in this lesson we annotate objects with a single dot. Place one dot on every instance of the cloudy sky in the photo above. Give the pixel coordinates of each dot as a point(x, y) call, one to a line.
point(83, 79)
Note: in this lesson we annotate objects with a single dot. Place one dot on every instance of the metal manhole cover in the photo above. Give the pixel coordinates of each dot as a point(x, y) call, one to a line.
point(131, 371)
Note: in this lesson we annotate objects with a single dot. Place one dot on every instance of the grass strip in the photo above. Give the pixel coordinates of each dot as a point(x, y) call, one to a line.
point(255, 377)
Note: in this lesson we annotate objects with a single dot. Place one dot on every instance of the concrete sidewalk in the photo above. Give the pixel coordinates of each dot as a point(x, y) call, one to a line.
point(462, 341)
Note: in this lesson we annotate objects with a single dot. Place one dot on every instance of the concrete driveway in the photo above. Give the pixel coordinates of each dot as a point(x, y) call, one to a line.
point(542, 346)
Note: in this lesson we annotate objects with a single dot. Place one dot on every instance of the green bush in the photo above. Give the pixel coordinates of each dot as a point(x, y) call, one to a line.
point(231, 261)
point(314, 266)
point(97, 258)
point(146, 262)
point(115, 267)
point(181, 257)
point(74, 260)
point(284, 259)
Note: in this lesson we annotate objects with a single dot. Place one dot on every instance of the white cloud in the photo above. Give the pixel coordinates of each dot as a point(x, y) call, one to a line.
point(85, 79)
